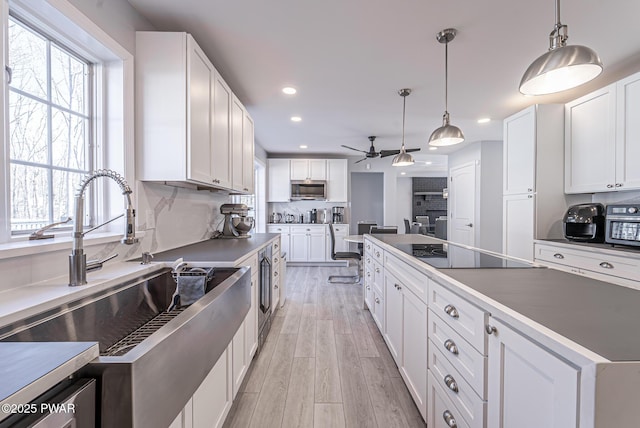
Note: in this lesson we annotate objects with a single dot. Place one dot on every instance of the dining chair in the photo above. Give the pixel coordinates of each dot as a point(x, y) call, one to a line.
point(407, 226)
point(383, 229)
point(364, 227)
point(343, 255)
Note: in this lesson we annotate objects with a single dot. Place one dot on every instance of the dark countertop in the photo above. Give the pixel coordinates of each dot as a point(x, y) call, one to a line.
point(217, 250)
point(599, 316)
point(30, 368)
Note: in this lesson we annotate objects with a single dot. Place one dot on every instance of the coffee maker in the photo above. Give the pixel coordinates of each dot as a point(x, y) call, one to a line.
point(337, 215)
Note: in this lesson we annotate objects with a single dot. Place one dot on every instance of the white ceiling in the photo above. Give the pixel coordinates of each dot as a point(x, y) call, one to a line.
point(348, 59)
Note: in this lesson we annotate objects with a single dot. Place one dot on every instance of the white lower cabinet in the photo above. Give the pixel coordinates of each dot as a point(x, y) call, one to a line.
point(518, 225)
point(213, 399)
point(442, 412)
point(528, 386)
point(239, 361)
point(284, 230)
point(378, 310)
point(185, 418)
point(307, 243)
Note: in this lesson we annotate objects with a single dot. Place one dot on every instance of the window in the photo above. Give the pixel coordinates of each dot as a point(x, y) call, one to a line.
point(50, 130)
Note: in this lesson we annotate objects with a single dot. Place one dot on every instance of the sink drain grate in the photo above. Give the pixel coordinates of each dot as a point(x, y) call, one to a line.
point(125, 344)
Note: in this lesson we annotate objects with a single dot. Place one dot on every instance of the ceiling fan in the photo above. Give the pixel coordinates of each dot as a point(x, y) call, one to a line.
point(372, 151)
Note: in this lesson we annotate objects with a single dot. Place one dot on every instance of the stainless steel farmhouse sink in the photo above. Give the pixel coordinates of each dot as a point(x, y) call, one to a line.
point(151, 361)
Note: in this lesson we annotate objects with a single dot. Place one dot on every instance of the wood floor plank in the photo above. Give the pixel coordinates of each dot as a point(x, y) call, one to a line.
point(306, 343)
point(362, 335)
point(339, 310)
point(388, 410)
point(355, 397)
point(258, 369)
point(327, 380)
point(411, 412)
point(324, 310)
point(271, 400)
point(328, 415)
point(299, 407)
point(383, 350)
point(242, 410)
point(292, 319)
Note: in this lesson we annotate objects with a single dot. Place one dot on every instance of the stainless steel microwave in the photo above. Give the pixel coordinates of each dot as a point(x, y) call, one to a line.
point(623, 225)
point(308, 190)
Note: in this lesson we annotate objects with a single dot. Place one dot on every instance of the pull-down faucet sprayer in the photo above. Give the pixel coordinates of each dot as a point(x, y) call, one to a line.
point(78, 265)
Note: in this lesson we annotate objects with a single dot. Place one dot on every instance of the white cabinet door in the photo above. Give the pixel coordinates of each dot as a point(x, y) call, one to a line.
point(317, 169)
point(628, 133)
point(528, 387)
point(393, 316)
point(462, 203)
point(200, 74)
point(212, 400)
point(238, 358)
point(299, 247)
point(251, 323)
point(519, 152)
point(414, 348)
point(247, 155)
point(590, 136)
point(279, 180)
point(221, 158)
point(337, 179)
point(299, 169)
point(237, 128)
point(518, 225)
point(378, 310)
point(317, 243)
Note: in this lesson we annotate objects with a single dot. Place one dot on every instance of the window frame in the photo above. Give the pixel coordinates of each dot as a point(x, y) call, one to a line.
point(113, 105)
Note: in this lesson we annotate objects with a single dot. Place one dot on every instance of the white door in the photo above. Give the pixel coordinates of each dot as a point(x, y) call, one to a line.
point(393, 315)
point(462, 204)
point(337, 172)
point(247, 154)
point(414, 348)
point(239, 357)
point(518, 225)
point(317, 244)
point(237, 127)
point(221, 144)
point(519, 152)
point(528, 387)
point(317, 169)
point(298, 246)
point(628, 133)
point(299, 169)
point(279, 181)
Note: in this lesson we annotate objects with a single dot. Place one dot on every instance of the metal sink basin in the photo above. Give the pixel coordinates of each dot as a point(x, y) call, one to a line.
point(148, 356)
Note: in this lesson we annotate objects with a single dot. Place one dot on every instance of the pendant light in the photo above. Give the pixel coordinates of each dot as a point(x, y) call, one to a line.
point(403, 158)
point(562, 67)
point(447, 134)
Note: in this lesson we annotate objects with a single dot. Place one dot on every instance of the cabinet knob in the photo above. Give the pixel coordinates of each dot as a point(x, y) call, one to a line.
point(606, 265)
point(490, 329)
point(451, 383)
point(377, 253)
point(368, 288)
point(558, 256)
point(529, 190)
point(275, 274)
point(397, 287)
point(469, 224)
point(609, 186)
point(530, 196)
point(377, 300)
point(275, 286)
point(618, 184)
point(377, 270)
point(368, 247)
point(449, 419)
point(452, 311)
point(451, 346)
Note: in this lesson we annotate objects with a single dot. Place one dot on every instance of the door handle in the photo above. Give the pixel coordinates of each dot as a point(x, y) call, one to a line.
point(469, 225)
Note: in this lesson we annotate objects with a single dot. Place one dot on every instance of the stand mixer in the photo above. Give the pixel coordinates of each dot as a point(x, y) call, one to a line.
point(236, 222)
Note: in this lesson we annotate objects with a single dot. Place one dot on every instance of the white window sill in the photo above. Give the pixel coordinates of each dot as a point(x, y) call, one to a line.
point(25, 247)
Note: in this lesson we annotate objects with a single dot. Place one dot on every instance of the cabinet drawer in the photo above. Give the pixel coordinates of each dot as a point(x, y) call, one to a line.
point(342, 229)
point(465, 318)
point(272, 228)
point(377, 274)
point(308, 228)
point(606, 264)
point(471, 406)
point(368, 246)
point(252, 262)
point(462, 356)
point(410, 277)
point(377, 253)
point(442, 412)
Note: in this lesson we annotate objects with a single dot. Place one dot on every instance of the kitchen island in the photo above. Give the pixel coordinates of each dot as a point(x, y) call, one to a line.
point(527, 346)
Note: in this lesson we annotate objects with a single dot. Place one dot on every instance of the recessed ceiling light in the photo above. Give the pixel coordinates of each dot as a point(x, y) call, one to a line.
point(296, 119)
point(303, 146)
point(289, 90)
point(484, 120)
point(433, 148)
point(403, 173)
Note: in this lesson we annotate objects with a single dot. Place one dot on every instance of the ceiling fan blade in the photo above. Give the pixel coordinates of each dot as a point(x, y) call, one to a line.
point(412, 150)
point(357, 150)
point(363, 159)
point(385, 153)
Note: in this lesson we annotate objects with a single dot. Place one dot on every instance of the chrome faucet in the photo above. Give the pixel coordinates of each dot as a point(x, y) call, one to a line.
point(78, 265)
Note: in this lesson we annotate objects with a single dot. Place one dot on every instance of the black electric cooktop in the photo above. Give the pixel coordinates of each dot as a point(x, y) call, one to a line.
point(451, 256)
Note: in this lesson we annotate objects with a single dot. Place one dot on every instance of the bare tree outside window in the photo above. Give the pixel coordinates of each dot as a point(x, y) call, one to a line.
point(49, 128)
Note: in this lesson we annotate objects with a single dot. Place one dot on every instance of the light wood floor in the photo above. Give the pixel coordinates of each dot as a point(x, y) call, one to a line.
point(324, 364)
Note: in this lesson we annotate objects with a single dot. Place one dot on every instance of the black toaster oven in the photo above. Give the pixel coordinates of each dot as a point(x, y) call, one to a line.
point(623, 224)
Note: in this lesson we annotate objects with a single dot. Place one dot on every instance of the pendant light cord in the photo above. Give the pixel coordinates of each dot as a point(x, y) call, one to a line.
point(404, 105)
point(446, 78)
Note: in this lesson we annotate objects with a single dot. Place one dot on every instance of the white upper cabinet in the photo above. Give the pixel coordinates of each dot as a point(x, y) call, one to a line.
point(603, 139)
point(278, 171)
point(519, 152)
point(590, 135)
point(628, 133)
point(184, 120)
point(308, 169)
point(337, 173)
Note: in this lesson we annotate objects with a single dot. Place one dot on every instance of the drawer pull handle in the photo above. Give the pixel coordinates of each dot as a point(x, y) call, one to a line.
point(490, 329)
point(368, 247)
point(397, 287)
point(451, 346)
point(275, 260)
point(451, 383)
point(449, 419)
point(452, 311)
point(368, 274)
point(368, 288)
point(377, 253)
point(377, 270)
point(606, 265)
point(275, 274)
point(275, 286)
point(558, 256)
point(618, 184)
point(609, 186)
point(377, 300)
